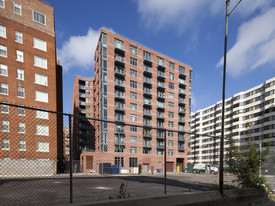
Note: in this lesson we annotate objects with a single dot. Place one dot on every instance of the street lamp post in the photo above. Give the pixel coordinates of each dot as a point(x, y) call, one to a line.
point(223, 94)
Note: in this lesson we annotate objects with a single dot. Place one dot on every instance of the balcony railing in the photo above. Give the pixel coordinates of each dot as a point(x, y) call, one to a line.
point(119, 107)
point(147, 102)
point(119, 59)
point(81, 94)
point(119, 46)
point(120, 72)
point(120, 84)
point(182, 82)
point(181, 92)
point(147, 92)
point(119, 119)
point(161, 116)
point(161, 85)
point(182, 101)
point(119, 142)
point(147, 134)
point(181, 139)
point(161, 75)
point(120, 96)
point(181, 148)
point(182, 73)
point(147, 144)
point(160, 105)
point(147, 70)
point(160, 146)
point(147, 124)
point(81, 102)
point(181, 111)
point(81, 87)
point(119, 130)
point(147, 59)
point(161, 96)
point(147, 81)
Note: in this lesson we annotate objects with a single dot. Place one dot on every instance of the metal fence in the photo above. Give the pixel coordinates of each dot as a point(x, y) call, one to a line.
point(49, 158)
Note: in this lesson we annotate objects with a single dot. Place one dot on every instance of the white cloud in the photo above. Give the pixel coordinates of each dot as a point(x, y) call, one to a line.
point(255, 45)
point(79, 51)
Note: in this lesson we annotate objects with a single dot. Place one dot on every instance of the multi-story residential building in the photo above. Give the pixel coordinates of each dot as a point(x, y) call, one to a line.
point(29, 76)
point(82, 106)
point(136, 85)
point(254, 107)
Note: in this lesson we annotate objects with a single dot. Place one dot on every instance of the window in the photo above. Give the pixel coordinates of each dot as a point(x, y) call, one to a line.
point(161, 62)
point(171, 95)
point(40, 62)
point(133, 73)
point(4, 88)
point(87, 100)
point(22, 145)
point(2, 3)
point(119, 161)
point(133, 106)
point(21, 92)
point(170, 134)
point(4, 109)
point(170, 124)
point(41, 96)
point(171, 76)
point(42, 130)
point(133, 61)
point(41, 79)
point(17, 8)
point(170, 143)
point(133, 117)
point(133, 162)
point(133, 50)
point(171, 85)
point(133, 84)
point(5, 126)
point(133, 150)
point(39, 44)
point(133, 128)
point(42, 115)
point(21, 127)
point(119, 44)
point(20, 74)
point(3, 51)
point(171, 114)
point(19, 56)
point(170, 152)
point(147, 55)
point(40, 18)
point(3, 70)
point(133, 139)
point(5, 144)
point(171, 105)
point(19, 37)
point(133, 95)
point(171, 65)
point(3, 31)
point(21, 111)
point(42, 147)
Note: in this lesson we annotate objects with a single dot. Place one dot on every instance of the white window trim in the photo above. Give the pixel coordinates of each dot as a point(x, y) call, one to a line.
point(38, 21)
point(40, 65)
point(40, 100)
point(17, 56)
point(17, 74)
point(20, 42)
point(9, 144)
point(7, 124)
point(20, 8)
point(5, 75)
point(6, 51)
point(19, 127)
point(23, 93)
point(41, 113)
point(38, 82)
point(3, 4)
point(46, 126)
point(34, 38)
point(19, 145)
point(43, 150)
point(5, 32)
point(7, 89)
point(5, 112)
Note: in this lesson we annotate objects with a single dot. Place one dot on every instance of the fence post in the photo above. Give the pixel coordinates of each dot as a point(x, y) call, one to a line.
point(71, 162)
point(165, 161)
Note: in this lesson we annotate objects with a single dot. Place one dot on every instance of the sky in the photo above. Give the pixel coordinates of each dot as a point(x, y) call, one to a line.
point(190, 31)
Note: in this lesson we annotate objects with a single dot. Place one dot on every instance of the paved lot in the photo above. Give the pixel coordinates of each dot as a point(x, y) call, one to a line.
point(56, 190)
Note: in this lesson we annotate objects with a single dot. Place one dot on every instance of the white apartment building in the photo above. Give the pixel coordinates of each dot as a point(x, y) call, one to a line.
point(254, 106)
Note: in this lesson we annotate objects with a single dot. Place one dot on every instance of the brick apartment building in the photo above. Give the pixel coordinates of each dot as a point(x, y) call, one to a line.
point(254, 106)
point(136, 85)
point(29, 76)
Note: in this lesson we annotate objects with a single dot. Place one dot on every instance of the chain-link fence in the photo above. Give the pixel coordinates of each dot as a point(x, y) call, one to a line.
point(51, 158)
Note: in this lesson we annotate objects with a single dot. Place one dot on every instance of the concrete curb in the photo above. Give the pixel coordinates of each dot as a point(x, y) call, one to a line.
point(236, 197)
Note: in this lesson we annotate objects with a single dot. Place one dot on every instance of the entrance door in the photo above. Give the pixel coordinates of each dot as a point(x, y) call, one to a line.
point(145, 168)
point(180, 164)
point(170, 166)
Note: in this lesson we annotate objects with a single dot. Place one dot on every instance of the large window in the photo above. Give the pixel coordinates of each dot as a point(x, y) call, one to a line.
point(17, 8)
point(171, 114)
point(4, 88)
point(3, 31)
point(133, 139)
point(38, 17)
point(133, 73)
point(171, 65)
point(133, 61)
point(39, 44)
point(133, 117)
point(171, 95)
point(119, 44)
point(133, 162)
point(20, 74)
point(19, 37)
point(40, 62)
point(133, 84)
point(170, 124)
point(119, 161)
point(5, 144)
point(170, 152)
point(21, 92)
point(133, 50)
point(41, 96)
point(5, 126)
point(171, 105)
point(171, 85)
point(42, 115)
point(41, 79)
point(19, 56)
point(42, 130)
point(170, 143)
point(3, 70)
point(3, 51)
point(133, 150)
point(42, 147)
point(133, 95)
point(133, 106)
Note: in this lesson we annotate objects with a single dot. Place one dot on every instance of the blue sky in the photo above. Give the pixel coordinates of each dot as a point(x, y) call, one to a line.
point(188, 31)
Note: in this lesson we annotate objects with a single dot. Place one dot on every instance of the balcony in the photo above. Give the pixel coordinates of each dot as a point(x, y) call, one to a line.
point(161, 65)
point(147, 81)
point(147, 70)
point(119, 130)
point(160, 126)
point(161, 96)
point(160, 146)
point(181, 148)
point(181, 111)
point(160, 105)
point(160, 116)
point(81, 102)
point(181, 139)
point(161, 85)
point(119, 97)
point(181, 129)
point(147, 114)
point(147, 92)
point(119, 84)
point(119, 48)
point(182, 92)
point(160, 136)
point(120, 142)
point(182, 82)
point(119, 119)
point(119, 108)
point(147, 60)
point(181, 121)
point(161, 75)
point(119, 72)
point(182, 102)
point(182, 73)
point(147, 134)
point(147, 103)
point(147, 124)
point(82, 87)
point(81, 94)
point(147, 145)
point(119, 60)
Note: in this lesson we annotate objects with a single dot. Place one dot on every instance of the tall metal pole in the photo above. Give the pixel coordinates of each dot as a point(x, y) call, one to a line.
point(71, 164)
point(165, 162)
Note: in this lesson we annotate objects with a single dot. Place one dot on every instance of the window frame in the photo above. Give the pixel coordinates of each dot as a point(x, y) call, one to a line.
point(133, 48)
point(39, 100)
point(4, 67)
point(18, 70)
point(37, 42)
point(8, 142)
point(36, 75)
point(19, 55)
point(19, 8)
point(22, 91)
point(4, 32)
point(45, 17)
point(5, 49)
point(3, 4)
point(20, 144)
point(47, 147)
point(4, 84)
point(21, 41)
